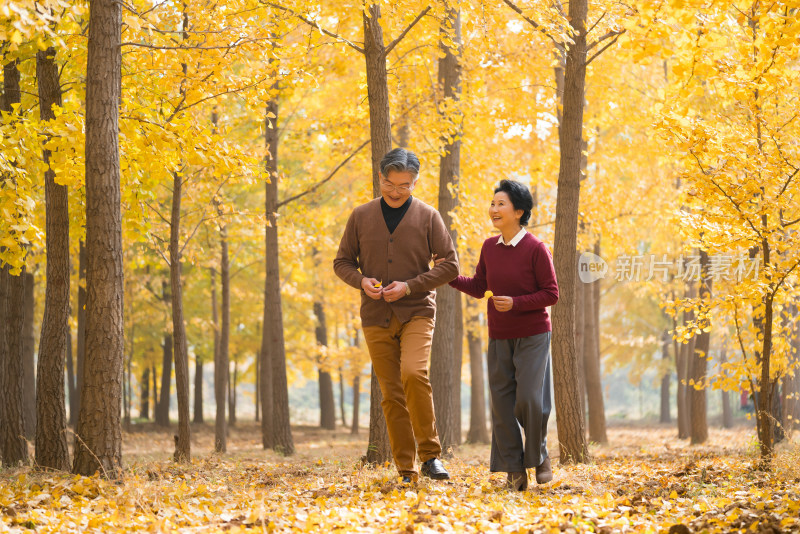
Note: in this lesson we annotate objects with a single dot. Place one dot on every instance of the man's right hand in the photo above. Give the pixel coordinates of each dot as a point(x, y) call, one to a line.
point(368, 285)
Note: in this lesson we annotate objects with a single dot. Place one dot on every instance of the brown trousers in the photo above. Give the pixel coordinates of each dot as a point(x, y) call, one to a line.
point(400, 356)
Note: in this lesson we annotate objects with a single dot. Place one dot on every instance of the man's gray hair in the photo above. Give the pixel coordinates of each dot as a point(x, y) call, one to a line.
point(400, 160)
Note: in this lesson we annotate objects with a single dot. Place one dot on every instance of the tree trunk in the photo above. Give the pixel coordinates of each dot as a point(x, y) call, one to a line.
point(162, 408)
point(232, 394)
point(221, 365)
point(727, 412)
point(683, 363)
point(664, 415)
point(699, 426)
point(327, 405)
point(29, 360)
point(356, 399)
point(99, 437)
point(144, 398)
point(80, 348)
point(571, 426)
point(220, 376)
point(12, 431)
point(198, 390)
point(581, 314)
point(380, 130)
point(446, 347)
point(341, 398)
point(257, 392)
point(478, 432)
point(594, 380)
point(273, 345)
point(51, 437)
point(71, 390)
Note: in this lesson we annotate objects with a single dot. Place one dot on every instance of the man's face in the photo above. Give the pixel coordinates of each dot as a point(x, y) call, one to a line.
point(396, 187)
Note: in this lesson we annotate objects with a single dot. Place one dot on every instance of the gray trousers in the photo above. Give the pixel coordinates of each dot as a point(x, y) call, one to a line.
point(520, 385)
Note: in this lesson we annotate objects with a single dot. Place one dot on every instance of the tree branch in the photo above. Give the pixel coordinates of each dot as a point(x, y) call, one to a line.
point(531, 21)
point(327, 178)
point(404, 32)
point(604, 48)
point(316, 25)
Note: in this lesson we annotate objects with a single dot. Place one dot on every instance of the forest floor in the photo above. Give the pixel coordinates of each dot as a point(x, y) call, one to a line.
point(643, 480)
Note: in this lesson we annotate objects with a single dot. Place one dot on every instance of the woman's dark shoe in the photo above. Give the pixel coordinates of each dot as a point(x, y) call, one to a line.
point(434, 469)
point(544, 473)
point(517, 481)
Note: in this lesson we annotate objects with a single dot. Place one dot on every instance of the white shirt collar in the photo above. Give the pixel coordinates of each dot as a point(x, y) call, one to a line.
point(514, 240)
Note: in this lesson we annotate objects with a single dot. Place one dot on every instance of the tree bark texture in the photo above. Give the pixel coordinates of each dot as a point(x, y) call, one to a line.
point(51, 438)
point(478, 432)
point(581, 313)
point(327, 405)
point(664, 415)
point(144, 397)
point(356, 407)
point(447, 344)
point(273, 314)
point(80, 346)
point(99, 437)
point(221, 364)
point(162, 408)
point(571, 425)
point(341, 398)
point(699, 366)
point(198, 390)
point(683, 363)
point(183, 446)
point(593, 373)
point(727, 411)
point(29, 360)
point(12, 431)
point(71, 389)
point(232, 378)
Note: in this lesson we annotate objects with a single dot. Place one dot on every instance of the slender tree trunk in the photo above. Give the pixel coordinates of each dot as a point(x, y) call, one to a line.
point(356, 399)
point(99, 437)
point(341, 397)
point(684, 361)
point(571, 425)
point(155, 392)
point(12, 432)
point(727, 411)
point(51, 437)
point(71, 390)
point(80, 348)
point(29, 360)
point(144, 398)
point(327, 405)
point(446, 347)
point(198, 390)
point(276, 424)
point(581, 313)
point(478, 432)
point(257, 398)
point(380, 130)
point(594, 381)
point(664, 415)
point(221, 377)
point(162, 409)
point(232, 394)
point(699, 362)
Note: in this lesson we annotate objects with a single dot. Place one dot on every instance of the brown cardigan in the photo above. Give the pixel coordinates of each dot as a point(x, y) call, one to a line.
point(368, 250)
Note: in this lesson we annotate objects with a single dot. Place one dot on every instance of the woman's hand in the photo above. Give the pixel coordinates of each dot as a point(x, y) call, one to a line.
point(502, 304)
point(436, 261)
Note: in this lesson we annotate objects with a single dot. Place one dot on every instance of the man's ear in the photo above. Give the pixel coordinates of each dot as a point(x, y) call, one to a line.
point(380, 176)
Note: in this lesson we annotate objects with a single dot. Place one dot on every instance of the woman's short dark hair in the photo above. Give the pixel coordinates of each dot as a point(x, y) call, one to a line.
point(520, 197)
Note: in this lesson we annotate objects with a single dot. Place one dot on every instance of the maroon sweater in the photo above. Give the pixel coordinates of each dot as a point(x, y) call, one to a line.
point(524, 272)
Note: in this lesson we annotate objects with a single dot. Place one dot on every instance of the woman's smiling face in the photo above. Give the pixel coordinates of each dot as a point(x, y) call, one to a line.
point(502, 212)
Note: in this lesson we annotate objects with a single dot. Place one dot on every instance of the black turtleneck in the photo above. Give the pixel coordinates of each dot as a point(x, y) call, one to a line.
point(393, 216)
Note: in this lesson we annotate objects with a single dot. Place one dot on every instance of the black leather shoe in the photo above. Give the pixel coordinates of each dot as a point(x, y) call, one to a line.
point(434, 469)
point(406, 480)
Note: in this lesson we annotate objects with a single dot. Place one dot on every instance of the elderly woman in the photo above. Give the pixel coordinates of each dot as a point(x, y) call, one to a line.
point(516, 271)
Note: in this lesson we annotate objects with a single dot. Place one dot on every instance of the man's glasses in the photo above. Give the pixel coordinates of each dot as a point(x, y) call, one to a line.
point(389, 188)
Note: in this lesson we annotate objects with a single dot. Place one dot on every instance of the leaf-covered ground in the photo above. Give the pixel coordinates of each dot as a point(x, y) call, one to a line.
point(644, 480)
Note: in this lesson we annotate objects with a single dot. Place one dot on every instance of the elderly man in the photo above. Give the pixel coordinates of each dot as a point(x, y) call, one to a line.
point(385, 252)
